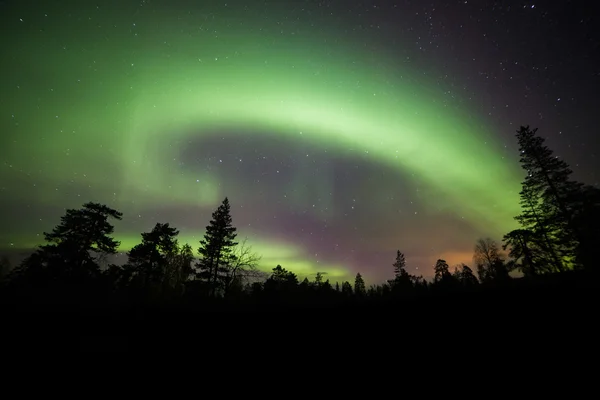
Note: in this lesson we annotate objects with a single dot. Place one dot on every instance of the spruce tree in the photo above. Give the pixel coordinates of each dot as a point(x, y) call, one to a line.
point(526, 253)
point(216, 249)
point(550, 199)
point(533, 219)
point(402, 282)
point(400, 265)
point(359, 285)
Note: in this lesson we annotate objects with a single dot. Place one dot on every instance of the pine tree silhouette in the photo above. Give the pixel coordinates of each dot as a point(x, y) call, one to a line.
point(550, 199)
point(347, 289)
point(359, 285)
point(74, 247)
point(281, 280)
point(466, 276)
point(400, 265)
point(525, 252)
point(216, 249)
point(442, 272)
point(151, 259)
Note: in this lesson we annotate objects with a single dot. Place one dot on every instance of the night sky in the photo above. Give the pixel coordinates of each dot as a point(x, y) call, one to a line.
point(340, 131)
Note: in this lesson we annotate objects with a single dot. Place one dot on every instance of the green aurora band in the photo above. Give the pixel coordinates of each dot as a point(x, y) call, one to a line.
point(122, 108)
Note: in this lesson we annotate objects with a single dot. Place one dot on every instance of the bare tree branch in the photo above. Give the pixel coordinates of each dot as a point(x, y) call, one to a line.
point(244, 265)
point(486, 252)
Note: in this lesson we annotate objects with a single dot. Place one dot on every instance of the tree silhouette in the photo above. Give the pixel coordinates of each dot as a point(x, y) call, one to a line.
point(71, 259)
point(74, 246)
point(281, 280)
point(419, 283)
point(347, 289)
point(179, 270)
point(465, 276)
point(587, 222)
point(305, 285)
point(400, 265)
point(402, 281)
point(525, 252)
point(554, 199)
point(243, 266)
point(150, 259)
point(184, 267)
point(532, 218)
point(216, 250)
point(318, 279)
point(490, 264)
point(359, 285)
point(442, 271)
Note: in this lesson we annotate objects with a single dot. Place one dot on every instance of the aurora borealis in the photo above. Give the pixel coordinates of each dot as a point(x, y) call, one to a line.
point(335, 143)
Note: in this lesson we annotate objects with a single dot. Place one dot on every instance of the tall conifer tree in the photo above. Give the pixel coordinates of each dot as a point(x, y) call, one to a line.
point(216, 249)
point(549, 199)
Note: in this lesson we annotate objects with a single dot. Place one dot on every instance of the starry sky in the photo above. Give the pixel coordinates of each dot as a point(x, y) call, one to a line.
point(340, 131)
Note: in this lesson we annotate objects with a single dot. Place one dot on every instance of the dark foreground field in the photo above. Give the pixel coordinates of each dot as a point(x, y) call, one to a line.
point(556, 308)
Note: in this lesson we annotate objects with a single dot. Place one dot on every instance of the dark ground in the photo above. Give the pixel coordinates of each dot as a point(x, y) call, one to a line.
point(560, 309)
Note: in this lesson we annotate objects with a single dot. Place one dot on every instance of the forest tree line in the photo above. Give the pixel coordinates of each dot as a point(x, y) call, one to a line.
point(559, 227)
